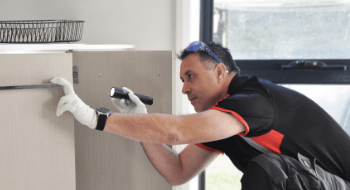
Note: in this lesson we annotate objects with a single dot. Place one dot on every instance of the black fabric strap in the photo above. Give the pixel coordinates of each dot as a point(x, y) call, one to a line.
point(101, 122)
point(272, 167)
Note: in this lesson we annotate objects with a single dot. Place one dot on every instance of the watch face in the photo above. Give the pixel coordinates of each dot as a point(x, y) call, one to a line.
point(103, 110)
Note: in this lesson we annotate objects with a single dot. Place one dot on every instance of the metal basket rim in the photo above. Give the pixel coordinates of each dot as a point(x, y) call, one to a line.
point(41, 31)
point(44, 21)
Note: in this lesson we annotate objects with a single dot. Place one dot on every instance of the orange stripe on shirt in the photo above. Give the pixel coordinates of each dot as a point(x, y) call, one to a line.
point(228, 95)
point(209, 149)
point(271, 141)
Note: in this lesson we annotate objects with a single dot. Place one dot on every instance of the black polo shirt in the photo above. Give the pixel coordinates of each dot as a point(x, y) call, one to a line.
point(284, 122)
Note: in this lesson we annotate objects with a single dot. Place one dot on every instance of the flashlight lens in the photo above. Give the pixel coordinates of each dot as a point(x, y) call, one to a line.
point(112, 91)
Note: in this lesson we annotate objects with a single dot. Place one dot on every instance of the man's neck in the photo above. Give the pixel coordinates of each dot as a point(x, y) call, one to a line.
point(224, 89)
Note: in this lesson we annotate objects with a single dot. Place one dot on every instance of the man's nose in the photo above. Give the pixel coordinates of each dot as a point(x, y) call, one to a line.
point(185, 88)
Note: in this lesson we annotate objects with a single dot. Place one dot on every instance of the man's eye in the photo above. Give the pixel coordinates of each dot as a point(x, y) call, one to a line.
point(190, 76)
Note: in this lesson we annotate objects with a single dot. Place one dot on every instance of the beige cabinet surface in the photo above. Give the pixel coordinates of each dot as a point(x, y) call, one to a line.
point(36, 147)
point(105, 161)
point(40, 151)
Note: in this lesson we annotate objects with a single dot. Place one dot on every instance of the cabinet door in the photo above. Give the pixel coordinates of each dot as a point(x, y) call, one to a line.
point(106, 161)
point(36, 147)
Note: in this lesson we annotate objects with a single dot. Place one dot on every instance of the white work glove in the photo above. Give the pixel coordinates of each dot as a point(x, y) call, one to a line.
point(71, 102)
point(135, 106)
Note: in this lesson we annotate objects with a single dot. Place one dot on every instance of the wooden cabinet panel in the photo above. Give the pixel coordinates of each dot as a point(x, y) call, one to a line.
point(36, 147)
point(106, 161)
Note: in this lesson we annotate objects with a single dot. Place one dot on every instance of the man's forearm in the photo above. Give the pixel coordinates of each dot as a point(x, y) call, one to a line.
point(166, 161)
point(152, 128)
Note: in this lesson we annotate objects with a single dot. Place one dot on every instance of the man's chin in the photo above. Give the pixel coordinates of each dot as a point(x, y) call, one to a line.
point(197, 109)
point(200, 108)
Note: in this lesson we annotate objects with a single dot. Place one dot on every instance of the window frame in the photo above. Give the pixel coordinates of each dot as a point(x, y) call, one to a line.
point(272, 70)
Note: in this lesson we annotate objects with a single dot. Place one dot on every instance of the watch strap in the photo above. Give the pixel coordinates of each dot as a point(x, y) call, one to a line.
point(101, 122)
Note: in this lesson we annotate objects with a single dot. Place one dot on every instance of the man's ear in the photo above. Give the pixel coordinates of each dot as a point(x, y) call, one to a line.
point(220, 72)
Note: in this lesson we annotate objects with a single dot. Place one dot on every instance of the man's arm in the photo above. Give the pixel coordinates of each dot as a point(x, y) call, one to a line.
point(205, 126)
point(176, 168)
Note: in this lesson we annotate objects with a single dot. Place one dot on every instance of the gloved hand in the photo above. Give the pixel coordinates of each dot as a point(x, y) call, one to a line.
point(71, 102)
point(135, 106)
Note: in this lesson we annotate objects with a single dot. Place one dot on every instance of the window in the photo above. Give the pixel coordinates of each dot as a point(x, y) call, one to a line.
point(283, 29)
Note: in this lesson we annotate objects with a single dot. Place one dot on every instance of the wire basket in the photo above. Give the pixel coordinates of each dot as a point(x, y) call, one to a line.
point(41, 31)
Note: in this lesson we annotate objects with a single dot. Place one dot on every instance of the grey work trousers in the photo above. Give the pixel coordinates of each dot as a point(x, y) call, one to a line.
point(271, 171)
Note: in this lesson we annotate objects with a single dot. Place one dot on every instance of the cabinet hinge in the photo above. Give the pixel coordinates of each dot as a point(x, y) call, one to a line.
point(75, 75)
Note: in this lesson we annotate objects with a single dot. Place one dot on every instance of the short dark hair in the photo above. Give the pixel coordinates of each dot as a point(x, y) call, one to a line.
point(222, 53)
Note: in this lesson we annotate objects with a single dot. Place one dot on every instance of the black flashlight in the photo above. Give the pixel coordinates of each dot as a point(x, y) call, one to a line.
point(123, 94)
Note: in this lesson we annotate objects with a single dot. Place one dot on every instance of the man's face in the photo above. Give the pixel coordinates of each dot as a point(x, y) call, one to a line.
point(199, 83)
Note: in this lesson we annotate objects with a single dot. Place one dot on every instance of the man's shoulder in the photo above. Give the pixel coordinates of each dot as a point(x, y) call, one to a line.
point(243, 85)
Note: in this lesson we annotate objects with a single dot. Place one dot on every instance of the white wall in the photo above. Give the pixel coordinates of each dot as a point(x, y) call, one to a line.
point(147, 24)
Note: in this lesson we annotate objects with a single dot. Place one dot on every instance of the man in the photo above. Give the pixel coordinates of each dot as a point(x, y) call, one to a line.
point(277, 137)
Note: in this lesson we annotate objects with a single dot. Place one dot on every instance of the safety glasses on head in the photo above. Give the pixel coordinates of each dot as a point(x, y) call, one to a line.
point(201, 46)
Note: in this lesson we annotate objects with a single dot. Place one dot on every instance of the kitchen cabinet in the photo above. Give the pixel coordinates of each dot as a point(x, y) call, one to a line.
point(42, 151)
point(36, 147)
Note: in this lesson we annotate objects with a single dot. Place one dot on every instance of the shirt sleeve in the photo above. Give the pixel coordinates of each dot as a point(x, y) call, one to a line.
point(253, 109)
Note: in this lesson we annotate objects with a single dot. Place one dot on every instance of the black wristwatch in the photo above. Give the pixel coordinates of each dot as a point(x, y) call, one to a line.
point(102, 113)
